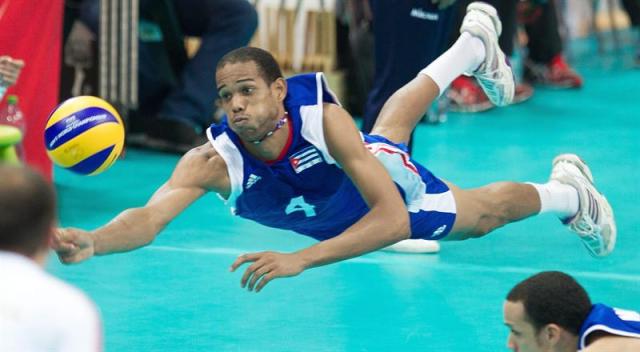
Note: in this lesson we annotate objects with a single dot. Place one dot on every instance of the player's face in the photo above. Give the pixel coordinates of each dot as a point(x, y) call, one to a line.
point(253, 107)
point(523, 336)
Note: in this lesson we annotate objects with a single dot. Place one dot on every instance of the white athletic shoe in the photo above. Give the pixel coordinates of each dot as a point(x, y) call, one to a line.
point(494, 75)
point(414, 246)
point(594, 222)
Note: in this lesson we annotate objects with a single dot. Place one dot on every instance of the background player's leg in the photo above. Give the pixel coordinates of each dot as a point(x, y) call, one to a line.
point(397, 57)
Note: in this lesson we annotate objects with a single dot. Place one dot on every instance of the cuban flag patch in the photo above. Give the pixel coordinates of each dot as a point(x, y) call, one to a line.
point(305, 158)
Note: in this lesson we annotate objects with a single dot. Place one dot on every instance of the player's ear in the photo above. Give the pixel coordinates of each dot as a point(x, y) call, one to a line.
point(279, 88)
point(48, 240)
point(550, 334)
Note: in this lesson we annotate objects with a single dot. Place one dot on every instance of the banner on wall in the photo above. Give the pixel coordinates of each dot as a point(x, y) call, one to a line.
point(31, 30)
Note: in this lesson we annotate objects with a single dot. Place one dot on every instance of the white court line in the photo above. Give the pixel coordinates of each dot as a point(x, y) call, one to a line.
point(394, 259)
point(233, 252)
point(213, 250)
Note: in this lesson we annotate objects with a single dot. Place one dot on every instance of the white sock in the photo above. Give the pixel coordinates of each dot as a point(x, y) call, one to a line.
point(465, 55)
point(557, 198)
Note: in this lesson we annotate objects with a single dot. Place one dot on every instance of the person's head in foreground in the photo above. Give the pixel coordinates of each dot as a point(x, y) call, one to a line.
point(27, 212)
point(551, 312)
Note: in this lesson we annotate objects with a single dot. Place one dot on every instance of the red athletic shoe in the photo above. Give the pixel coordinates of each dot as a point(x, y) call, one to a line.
point(465, 95)
point(557, 73)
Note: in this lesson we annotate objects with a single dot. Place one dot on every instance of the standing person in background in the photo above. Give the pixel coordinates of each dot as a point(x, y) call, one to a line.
point(545, 64)
point(550, 311)
point(408, 35)
point(177, 97)
point(633, 10)
point(38, 312)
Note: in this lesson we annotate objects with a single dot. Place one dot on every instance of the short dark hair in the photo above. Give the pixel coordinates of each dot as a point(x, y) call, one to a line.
point(267, 64)
point(553, 297)
point(27, 210)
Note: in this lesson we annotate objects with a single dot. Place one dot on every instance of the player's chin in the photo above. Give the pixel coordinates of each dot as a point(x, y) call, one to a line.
point(247, 133)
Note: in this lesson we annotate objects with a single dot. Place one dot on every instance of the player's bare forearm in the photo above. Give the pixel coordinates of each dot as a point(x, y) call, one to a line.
point(137, 227)
point(197, 171)
point(131, 229)
point(379, 228)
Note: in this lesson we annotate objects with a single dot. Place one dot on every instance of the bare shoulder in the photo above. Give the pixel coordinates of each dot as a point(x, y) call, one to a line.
point(607, 343)
point(203, 167)
point(334, 111)
point(340, 131)
point(336, 121)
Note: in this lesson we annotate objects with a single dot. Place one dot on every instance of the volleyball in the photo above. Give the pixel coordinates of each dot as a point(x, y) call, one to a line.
point(84, 134)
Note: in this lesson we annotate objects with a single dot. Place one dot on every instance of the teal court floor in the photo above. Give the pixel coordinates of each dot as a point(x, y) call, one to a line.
point(178, 294)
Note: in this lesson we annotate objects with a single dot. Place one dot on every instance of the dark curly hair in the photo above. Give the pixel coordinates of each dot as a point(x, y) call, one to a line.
point(553, 297)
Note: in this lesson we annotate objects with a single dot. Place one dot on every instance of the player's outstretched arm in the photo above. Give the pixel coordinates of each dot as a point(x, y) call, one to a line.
point(386, 222)
point(200, 170)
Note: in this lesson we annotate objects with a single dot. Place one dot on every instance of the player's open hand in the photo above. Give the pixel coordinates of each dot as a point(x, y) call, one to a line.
point(267, 266)
point(72, 245)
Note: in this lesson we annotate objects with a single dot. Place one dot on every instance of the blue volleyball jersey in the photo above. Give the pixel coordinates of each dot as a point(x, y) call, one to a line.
point(307, 191)
point(611, 320)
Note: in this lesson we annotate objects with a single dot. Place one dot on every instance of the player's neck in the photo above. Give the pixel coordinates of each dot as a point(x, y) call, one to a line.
point(568, 342)
point(40, 257)
point(271, 146)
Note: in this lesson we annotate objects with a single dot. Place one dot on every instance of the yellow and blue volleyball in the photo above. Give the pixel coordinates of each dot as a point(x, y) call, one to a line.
point(84, 134)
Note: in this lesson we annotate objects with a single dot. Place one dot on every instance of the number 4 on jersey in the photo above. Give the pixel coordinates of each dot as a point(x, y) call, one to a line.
point(298, 204)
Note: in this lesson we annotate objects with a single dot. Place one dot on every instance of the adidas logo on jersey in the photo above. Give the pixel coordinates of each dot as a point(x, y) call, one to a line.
point(252, 180)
